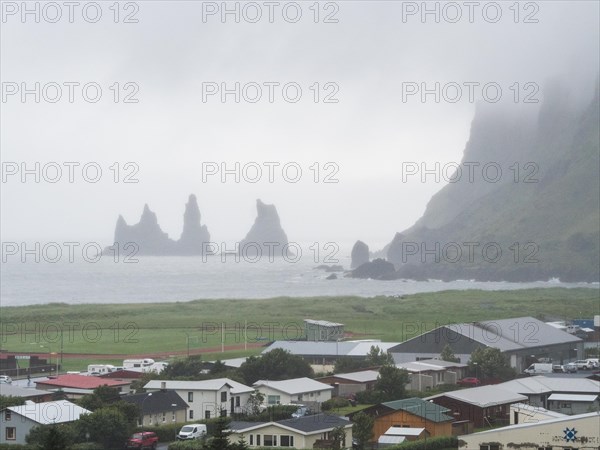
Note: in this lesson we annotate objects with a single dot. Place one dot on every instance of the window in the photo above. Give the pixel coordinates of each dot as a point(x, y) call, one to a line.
point(258, 440)
point(273, 399)
point(164, 418)
point(223, 413)
point(207, 414)
point(237, 400)
point(174, 417)
point(7, 415)
point(191, 413)
point(299, 397)
point(223, 396)
point(251, 441)
point(270, 440)
point(190, 396)
point(565, 405)
point(11, 433)
point(286, 441)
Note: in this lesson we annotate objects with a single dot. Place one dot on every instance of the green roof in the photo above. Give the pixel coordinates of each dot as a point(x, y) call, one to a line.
point(422, 408)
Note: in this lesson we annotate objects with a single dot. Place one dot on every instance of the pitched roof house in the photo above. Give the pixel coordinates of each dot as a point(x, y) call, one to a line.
point(410, 412)
point(302, 433)
point(207, 398)
point(75, 386)
point(295, 390)
point(17, 421)
point(159, 407)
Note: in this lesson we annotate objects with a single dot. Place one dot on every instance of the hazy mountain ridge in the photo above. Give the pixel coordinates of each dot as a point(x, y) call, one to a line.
point(559, 215)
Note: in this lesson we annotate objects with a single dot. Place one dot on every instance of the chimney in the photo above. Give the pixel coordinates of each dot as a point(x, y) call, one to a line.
point(163, 386)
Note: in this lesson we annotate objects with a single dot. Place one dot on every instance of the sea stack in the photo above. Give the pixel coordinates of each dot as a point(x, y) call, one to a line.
point(194, 235)
point(266, 237)
point(144, 238)
point(359, 254)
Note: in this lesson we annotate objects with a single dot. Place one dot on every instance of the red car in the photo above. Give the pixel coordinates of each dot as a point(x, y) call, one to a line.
point(469, 381)
point(146, 439)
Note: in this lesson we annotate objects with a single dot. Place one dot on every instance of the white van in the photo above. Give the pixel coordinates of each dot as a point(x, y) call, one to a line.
point(537, 368)
point(192, 431)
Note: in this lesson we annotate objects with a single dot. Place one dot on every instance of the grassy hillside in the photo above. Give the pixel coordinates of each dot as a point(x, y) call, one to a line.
point(559, 213)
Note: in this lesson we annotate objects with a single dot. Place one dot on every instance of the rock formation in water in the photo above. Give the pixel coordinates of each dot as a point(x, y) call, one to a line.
point(147, 238)
point(378, 269)
point(194, 235)
point(266, 237)
point(359, 254)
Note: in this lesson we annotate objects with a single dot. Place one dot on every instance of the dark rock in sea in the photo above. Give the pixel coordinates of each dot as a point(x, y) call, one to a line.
point(332, 268)
point(266, 238)
point(378, 269)
point(333, 276)
point(359, 254)
point(194, 235)
point(147, 238)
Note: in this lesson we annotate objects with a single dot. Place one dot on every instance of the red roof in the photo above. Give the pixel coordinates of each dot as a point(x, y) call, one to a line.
point(81, 382)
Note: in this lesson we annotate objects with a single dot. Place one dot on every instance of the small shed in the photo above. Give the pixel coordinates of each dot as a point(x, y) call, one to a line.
point(323, 330)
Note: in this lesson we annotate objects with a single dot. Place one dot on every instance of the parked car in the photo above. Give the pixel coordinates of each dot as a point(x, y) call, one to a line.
point(5, 379)
point(595, 362)
point(584, 364)
point(193, 431)
point(145, 439)
point(538, 368)
point(570, 367)
point(469, 381)
point(558, 368)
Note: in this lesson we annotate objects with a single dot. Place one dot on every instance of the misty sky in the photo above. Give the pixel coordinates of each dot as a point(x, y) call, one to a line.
point(171, 132)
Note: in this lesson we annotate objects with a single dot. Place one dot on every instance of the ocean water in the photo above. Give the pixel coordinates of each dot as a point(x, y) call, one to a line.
point(170, 279)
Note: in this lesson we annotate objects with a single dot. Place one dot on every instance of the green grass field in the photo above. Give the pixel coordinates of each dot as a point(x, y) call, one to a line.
point(131, 329)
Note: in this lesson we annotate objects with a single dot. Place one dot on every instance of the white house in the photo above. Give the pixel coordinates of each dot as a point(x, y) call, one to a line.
point(207, 398)
point(581, 431)
point(525, 413)
point(296, 390)
point(17, 421)
point(306, 432)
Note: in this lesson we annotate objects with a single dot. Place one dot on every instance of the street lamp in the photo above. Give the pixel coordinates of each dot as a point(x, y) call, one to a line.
point(144, 401)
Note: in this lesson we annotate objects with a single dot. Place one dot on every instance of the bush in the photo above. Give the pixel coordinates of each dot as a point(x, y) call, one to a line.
point(370, 397)
point(86, 446)
point(438, 443)
point(334, 403)
point(18, 447)
point(186, 445)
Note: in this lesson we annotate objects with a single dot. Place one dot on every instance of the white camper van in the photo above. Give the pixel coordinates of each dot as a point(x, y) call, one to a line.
point(139, 365)
point(100, 369)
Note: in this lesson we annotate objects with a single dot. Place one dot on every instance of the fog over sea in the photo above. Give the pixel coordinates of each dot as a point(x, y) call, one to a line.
point(172, 279)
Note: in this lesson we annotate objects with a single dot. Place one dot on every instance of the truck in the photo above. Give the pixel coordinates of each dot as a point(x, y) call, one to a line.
point(538, 368)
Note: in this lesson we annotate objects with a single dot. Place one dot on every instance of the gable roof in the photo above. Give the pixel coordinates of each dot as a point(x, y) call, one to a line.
point(306, 425)
point(50, 412)
point(81, 382)
point(362, 376)
point(419, 407)
point(483, 396)
point(294, 385)
point(506, 334)
point(157, 402)
point(329, 348)
point(201, 385)
point(541, 384)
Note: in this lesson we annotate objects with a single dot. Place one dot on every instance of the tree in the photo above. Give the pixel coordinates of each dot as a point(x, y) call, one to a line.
point(6, 401)
point(255, 400)
point(241, 444)
point(346, 364)
point(278, 364)
point(338, 435)
point(362, 429)
point(490, 362)
point(391, 382)
point(220, 440)
point(378, 357)
point(106, 426)
point(51, 437)
point(101, 397)
point(188, 368)
point(448, 355)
